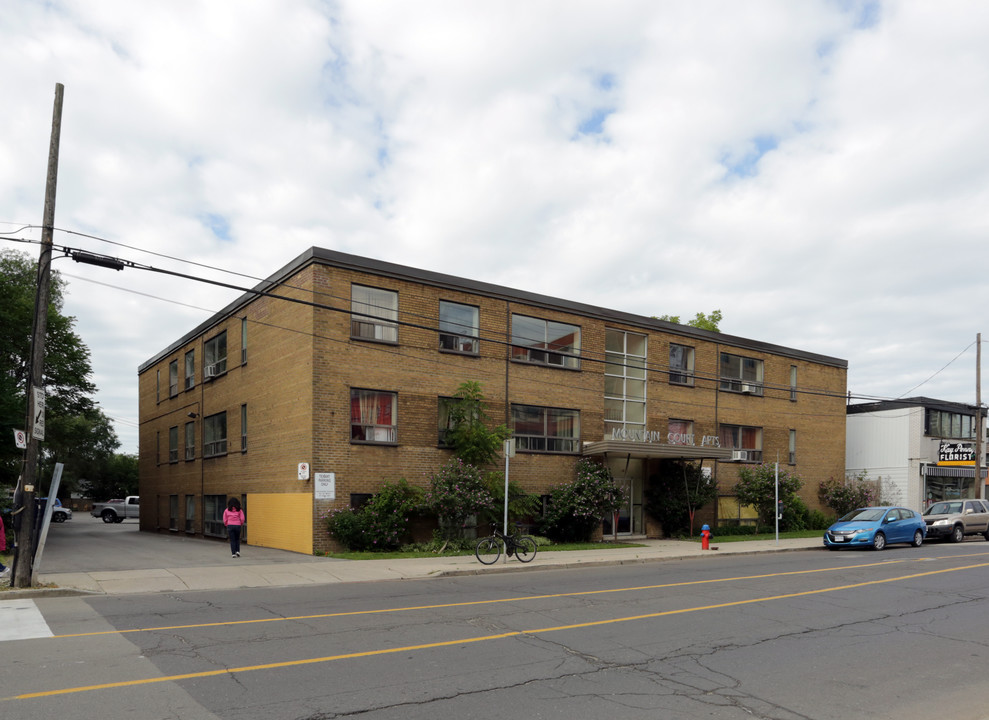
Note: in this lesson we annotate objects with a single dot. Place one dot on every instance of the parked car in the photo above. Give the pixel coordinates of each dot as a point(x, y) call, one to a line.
point(876, 527)
point(61, 514)
point(115, 511)
point(954, 519)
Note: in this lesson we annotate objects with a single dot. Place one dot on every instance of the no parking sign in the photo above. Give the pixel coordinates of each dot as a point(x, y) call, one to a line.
point(20, 439)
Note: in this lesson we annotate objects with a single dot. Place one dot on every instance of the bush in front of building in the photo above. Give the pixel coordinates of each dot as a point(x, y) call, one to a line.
point(756, 486)
point(522, 506)
point(456, 494)
point(676, 491)
point(856, 491)
point(381, 523)
point(576, 508)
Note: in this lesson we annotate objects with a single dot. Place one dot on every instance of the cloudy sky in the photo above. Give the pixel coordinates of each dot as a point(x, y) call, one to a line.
point(818, 171)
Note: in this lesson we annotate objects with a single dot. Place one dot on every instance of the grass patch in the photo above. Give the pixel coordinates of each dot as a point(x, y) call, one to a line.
point(762, 536)
point(405, 554)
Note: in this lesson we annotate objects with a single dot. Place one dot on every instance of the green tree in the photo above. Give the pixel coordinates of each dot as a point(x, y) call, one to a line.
point(74, 425)
point(469, 435)
point(676, 492)
point(576, 508)
point(702, 321)
point(756, 487)
point(521, 504)
point(117, 477)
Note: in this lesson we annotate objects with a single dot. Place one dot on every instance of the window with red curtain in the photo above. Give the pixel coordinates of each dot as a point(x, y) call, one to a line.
point(373, 416)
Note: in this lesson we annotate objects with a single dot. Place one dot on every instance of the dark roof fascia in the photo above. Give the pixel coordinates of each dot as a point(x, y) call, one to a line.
point(914, 402)
point(371, 266)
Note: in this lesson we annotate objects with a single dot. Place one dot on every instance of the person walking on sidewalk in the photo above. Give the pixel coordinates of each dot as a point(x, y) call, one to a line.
point(234, 519)
point(4, 570)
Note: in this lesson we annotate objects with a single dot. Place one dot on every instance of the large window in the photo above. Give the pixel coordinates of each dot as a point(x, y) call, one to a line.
point(373, 314)
point(741, 374)
point(542, 429)
point(190, 370)
point(459, 327)
point(213, 507)
point(681, 432)
point(173, 378)
point(215, 356)
point(190, 440)
point(545, 342)
point(215, 435)
point(624, 381)
point(944, 424)
point(681, 365)
point(173, 444)
point(373, 416)
point(745, 442)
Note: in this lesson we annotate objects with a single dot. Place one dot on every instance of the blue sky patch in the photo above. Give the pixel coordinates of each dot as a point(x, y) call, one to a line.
point(218, 225)
point(747, 165)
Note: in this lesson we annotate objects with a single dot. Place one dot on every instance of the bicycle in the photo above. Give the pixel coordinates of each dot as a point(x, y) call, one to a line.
point(488, 549)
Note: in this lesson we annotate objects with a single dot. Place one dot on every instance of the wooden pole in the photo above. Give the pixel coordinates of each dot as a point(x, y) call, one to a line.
point(24, 558)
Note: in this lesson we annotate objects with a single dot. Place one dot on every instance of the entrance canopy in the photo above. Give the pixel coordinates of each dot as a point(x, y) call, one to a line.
point(652, 450)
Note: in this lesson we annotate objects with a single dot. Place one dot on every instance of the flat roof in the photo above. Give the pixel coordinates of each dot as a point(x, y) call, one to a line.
point(333, 258)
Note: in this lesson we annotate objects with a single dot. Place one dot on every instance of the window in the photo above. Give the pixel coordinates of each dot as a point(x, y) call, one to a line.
point(741, 374)
point(173, 378)
point(213, 507)
point(373, 416)
point(545, 342)
point(793, 383)
point(793, 447)
point(944, 424)
point(374, 314)
point(746, 442)
point(173, 512)
point(681, 365)
point(243, 341)
point(173, 444)
point(215, 352)
point(681, 432)
point(243, 428)
point(215, 435)
point(459, 328)
point(624, 380)
point(190, 370)
point(543, 429)
point(190, 513)
point(190, 440)
point(443, 419)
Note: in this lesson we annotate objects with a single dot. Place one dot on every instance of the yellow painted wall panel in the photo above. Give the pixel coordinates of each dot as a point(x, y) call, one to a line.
point(280, 520)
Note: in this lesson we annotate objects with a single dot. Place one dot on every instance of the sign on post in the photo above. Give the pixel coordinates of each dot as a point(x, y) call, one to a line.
point(38, 413)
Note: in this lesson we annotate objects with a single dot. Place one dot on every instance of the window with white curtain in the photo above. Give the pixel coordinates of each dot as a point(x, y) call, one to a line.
point(373, 416)
point(373, 314)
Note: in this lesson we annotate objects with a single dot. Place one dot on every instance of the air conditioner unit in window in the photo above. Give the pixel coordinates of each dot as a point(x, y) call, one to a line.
point(209, 371)
point(749, 388)
point(739, 455)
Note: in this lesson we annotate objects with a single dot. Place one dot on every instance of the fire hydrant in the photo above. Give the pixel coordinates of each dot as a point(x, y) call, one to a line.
point(705, 537)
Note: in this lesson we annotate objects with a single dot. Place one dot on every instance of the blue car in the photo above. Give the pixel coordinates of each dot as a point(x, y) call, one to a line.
point(876, 527)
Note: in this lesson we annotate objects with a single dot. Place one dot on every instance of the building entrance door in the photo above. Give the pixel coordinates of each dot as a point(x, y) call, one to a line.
point(627, 475)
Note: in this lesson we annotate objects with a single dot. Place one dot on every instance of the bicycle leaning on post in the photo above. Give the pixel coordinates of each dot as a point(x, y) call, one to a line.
point(488, 549)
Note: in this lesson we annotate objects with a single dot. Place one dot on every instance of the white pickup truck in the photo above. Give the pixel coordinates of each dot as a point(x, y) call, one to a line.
point(114, 511)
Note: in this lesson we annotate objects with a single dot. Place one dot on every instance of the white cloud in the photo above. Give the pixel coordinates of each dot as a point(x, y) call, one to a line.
point(817, 171)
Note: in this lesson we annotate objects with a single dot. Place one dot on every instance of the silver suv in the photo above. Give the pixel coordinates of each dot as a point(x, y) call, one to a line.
point(954, 519)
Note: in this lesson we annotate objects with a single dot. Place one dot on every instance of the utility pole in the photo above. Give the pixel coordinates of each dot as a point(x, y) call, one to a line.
point(979, 484)
point(24, 559)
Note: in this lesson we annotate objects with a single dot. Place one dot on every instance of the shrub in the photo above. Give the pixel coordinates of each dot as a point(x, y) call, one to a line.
point(576, 508)
point(756, 486)
point(521, 505)
point(457, 493)
point(849, 493)
point(380, 524)
point(675, 492)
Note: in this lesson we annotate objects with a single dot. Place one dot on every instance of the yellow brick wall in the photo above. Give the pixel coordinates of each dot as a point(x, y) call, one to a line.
point(279, 520)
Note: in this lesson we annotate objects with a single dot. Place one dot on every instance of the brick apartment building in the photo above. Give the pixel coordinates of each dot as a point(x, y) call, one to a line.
point(330, 378)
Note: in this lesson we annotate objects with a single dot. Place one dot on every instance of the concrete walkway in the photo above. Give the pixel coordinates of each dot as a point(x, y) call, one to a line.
point(204, 565)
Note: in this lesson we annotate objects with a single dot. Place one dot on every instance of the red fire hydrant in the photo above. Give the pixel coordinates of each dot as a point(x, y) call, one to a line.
point(705, 538)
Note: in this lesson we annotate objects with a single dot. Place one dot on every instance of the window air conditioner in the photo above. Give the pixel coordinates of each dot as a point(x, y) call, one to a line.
point(748, 388)
point(738, 455)
point(210, 371)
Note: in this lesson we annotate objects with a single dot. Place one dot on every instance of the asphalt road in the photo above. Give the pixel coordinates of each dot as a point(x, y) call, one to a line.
point(898, 634)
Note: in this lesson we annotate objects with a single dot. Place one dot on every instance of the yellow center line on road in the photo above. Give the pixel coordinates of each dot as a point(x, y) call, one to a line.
point(485, 638)
point(523, 598)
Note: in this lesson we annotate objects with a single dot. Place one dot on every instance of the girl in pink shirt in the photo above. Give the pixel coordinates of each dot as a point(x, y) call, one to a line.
point(233, 518)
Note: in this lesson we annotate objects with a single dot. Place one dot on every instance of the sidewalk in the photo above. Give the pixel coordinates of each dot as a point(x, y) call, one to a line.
point(280, 569)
